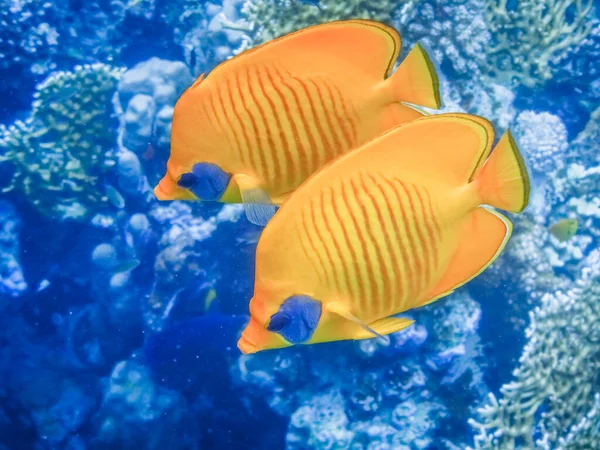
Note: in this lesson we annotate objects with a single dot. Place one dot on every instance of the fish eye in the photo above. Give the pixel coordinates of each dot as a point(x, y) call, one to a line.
point(278, 322)
point(187, 180)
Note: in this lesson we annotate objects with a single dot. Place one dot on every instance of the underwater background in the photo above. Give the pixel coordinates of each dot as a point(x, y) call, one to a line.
point(119, 314)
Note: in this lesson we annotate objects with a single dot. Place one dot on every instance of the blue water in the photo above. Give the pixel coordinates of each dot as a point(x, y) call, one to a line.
point(120, 315)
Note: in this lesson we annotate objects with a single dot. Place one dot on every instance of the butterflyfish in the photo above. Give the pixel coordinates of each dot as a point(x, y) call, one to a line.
point(262, 122)
point(393, 225)
point(564, 229)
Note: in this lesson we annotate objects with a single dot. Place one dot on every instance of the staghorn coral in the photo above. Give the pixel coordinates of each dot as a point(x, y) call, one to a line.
point(554, 396)
point(532, 37)
point(62, 150)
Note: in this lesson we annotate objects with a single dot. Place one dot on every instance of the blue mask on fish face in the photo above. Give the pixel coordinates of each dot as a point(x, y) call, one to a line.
point(207, 181)
point(296, 319)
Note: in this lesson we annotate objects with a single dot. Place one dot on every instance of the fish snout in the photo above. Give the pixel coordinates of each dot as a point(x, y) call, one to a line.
point(251, 336)
point(167, 189)
point(256, 338)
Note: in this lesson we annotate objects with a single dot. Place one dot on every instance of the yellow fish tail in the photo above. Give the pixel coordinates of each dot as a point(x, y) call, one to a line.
point(503, 180)
point(415, 81)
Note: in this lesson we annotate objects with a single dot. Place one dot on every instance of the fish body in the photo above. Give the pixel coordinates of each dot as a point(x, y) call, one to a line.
point(564, 229)
point(114, 196)
point(126, 265)
point(263, 122)
point(393, 225)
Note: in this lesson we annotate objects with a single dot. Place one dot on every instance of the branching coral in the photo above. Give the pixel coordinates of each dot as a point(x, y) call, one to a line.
point(532, 36)
point(554, 396)
point(62, 150)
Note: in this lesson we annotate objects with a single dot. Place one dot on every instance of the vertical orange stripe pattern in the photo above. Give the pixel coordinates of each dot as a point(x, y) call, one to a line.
point(375, 238)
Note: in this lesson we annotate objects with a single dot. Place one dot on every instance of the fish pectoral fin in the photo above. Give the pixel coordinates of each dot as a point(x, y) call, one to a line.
point(341, 310)
point(257, 203)
point(387, 325)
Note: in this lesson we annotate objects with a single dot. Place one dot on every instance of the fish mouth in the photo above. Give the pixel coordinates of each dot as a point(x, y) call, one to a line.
point(167, 189)
point(246, 346)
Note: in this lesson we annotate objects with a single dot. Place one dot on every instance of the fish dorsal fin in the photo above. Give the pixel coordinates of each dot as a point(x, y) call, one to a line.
point(446, 148)
point(341, 310)
point(450, 147)
point(396, 114)
point(483, 237)
point(366, 46)
point(198, 80)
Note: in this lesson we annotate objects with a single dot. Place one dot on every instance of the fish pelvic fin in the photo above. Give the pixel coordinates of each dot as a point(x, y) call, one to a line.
point(385, 326)
point(503, 181)
point(340, 309)
point(257, 203)
point(415, 80)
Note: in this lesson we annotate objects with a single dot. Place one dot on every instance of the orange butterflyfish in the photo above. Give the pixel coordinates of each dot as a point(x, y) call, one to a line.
point(262, 122)
point(393, 225)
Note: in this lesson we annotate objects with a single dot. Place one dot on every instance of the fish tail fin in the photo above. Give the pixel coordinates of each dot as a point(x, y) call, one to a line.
point(415, 80)
point(503, 179)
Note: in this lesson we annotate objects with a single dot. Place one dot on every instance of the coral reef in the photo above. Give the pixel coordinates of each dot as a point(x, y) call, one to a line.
point(455, 33)
point(27, 41)
point(529, 54)
point(61, 151)
point(364, 395)
point(146, 98)
point(263, 20)
point(201, 33)
point(182, 260)
point(555, 390)
point(543, 140)
point(12, 281)
point(134, 411)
